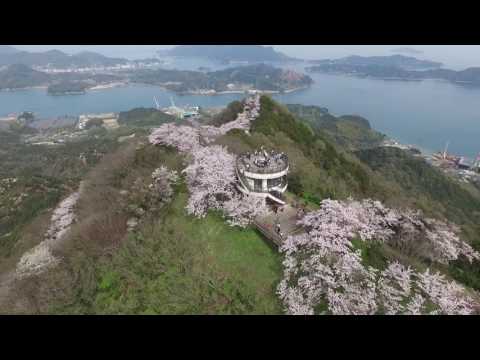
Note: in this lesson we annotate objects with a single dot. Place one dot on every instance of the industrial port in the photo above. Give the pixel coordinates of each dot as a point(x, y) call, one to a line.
point(460, 167)
point(177, 111)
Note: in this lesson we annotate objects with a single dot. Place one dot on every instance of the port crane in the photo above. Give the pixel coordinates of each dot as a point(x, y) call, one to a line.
point(171, 102)
point(156, 103)
point(445, 151)
point(476, 164)
point(179, 112)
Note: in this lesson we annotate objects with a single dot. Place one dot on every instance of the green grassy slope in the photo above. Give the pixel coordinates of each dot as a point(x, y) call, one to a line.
point(351, 132)
point(174, 263)
point(181, 265)
point(177, 264)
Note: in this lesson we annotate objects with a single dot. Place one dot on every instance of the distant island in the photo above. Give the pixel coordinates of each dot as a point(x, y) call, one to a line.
point(238, 79)
point(398, 61)
point(55, 61)
point(68, 88)
point(469, 76)
point(229, 53)
point(64, 74)
point(241, 79)
point(19, 76)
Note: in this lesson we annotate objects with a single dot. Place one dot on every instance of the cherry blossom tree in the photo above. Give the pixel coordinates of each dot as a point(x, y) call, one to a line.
point(62, 217)
point(394, 286)
point(211, 183)
point(40, 257)
point(321, 266)
point(184, 138)
point(241, 209)
point(162, 181)
point(447, 297)
point(210, 179)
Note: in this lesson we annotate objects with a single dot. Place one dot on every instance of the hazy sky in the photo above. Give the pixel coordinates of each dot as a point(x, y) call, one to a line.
point(454, 56)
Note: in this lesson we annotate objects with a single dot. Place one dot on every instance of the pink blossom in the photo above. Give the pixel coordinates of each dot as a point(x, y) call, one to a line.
point(62, 218)
point(40, 258)
point(394, 286)
point(448, 296)
point(162, 181)
point(183, 138)
point(322, 265)
point(211, 174)
point(211, 183)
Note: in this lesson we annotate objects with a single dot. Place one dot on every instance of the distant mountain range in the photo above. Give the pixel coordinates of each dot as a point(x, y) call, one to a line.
point(229, 53)
point(398, 61)
point(55, 58)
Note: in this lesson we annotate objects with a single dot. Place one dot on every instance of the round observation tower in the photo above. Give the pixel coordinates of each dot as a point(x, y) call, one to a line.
point(263, 173)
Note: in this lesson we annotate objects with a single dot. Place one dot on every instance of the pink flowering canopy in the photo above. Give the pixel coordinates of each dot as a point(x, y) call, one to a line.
point(321, 266)
point(162, 181)
point(210, 175)
point(184, 138)
point(322, 269)
point(211, 183)
point(62, 217)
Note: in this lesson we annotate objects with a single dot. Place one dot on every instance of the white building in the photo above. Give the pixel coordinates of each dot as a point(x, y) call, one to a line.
point(263, 173)
point(84, 119)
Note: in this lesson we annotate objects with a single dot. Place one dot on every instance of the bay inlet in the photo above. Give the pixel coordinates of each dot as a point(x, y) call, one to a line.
point(422, 113)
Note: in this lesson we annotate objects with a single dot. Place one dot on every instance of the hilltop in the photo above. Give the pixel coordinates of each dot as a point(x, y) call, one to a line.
point(168, 260)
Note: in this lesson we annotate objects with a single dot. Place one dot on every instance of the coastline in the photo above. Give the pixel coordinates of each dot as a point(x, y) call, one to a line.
point(24, 88)
point(206, 92)
point(224, 92)
point(66, 93)
point(108, 86)
point(395, 78)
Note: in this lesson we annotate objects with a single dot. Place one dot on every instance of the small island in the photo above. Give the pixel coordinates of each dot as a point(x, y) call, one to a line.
point(68, 88)
point(240, 79)
point(395, 67)
point(397, 61)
